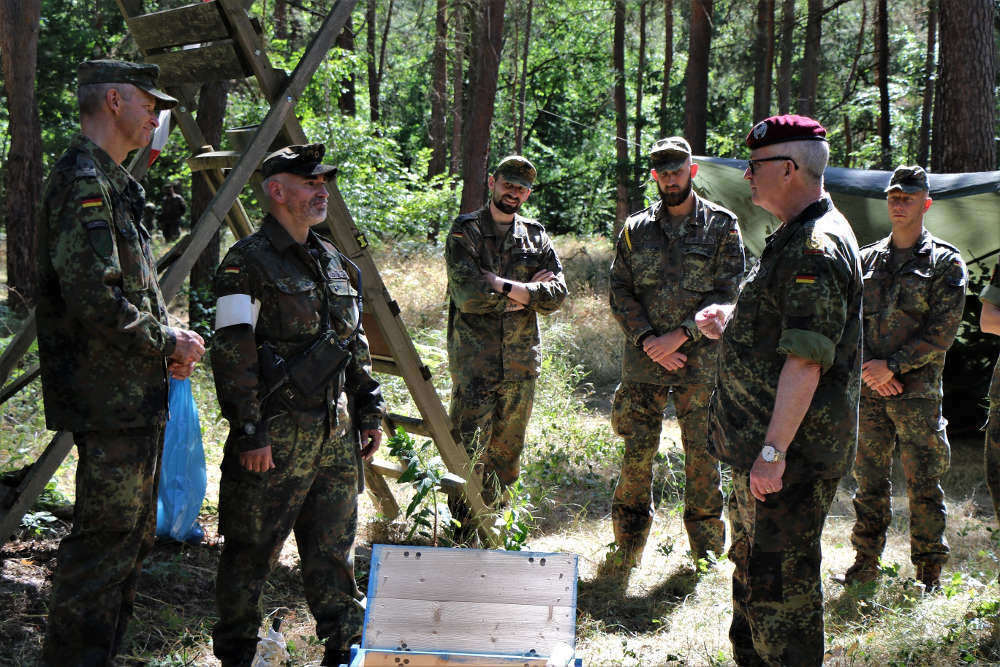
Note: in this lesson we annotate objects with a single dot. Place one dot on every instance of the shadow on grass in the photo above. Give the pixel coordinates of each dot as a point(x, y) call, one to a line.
point(605, 601)
point(863, 606)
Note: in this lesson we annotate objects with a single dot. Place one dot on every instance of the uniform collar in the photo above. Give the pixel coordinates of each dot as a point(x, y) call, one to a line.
point(923, 246)
point(517, 228)
point(117, 176)
point(815, 210)
point(661, 214)
point(281, 240)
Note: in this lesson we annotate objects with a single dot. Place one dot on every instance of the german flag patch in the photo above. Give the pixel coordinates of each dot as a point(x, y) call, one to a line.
point(92, 202)
point(458, 235)
point(805, 279)
point(231, 269)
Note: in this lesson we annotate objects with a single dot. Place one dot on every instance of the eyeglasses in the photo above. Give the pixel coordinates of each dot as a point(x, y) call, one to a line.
point(752, 164)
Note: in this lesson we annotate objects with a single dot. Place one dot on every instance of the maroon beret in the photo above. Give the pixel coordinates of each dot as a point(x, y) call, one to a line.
point(779, 129)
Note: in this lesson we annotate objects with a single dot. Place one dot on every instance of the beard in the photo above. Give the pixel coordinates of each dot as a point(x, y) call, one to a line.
point(506, 207)
point(677, 197)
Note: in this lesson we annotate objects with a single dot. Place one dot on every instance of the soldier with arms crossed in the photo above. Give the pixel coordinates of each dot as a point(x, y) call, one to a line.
point(674, 258)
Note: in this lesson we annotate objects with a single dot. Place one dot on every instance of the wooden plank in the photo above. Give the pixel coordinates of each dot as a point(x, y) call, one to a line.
point(197, 23)
point(217, 61)
point(380, 493)
point(408, 424)
point(377, 658)
point(17, 347)
point(463, 627)
point(20, 383)
point(474, 575)
point(396, 470)
point(34, 483)
point(213, 160)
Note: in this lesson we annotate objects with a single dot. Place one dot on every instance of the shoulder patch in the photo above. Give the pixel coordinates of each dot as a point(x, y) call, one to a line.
point(817, 243)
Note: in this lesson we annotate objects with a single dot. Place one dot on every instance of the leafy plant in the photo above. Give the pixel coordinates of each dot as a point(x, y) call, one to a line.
point(424, 473)
point(516, 520)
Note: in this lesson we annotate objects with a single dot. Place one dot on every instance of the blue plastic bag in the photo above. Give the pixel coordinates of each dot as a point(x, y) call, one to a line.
point(182, 469)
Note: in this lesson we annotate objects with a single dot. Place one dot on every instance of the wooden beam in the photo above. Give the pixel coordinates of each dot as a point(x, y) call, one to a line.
point(34, 483)
point(408, 424)
point(20, 383)
point(17, 347)
point(396, 470)
point(380, 492)
point(191, 24)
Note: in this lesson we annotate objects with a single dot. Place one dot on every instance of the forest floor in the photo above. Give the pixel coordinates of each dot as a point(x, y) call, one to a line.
point(672, 612)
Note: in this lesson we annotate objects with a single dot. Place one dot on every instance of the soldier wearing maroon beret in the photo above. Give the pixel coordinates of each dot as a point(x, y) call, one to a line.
point(785, 410)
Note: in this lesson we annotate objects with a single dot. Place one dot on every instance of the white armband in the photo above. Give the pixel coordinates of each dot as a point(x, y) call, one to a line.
point(236, 309)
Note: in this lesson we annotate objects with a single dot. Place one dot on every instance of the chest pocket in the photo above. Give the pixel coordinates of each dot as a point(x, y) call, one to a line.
point(343, 305)
point(133, 253)
point(298, 305)
point(524, 263)
point(647, 261)
point(697, 274)
point(876, 283)
point(915, 291)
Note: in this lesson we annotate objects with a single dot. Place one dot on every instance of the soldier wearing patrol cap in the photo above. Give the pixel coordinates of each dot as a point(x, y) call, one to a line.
point(914, 299)
point(290, 359)
point(785, 408)
point(502, 273)
point(676, 257)
point(105, 351)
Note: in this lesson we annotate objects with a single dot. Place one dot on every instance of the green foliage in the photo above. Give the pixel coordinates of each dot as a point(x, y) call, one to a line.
point(424, 472)
point(40, 523)
point(515, 520)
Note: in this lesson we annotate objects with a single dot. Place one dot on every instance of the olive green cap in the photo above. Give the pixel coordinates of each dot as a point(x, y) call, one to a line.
point(908, 179)
point(301, 160)
point(140, 75)
point(669, 154)
point(517, 169)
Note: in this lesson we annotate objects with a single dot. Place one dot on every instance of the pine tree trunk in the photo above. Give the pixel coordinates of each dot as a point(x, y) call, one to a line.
point(347, 99)
point(621, 120)
point(458, 12)
point(785, 65)
point(439, 93)
point(882, 76)
point(482, 98)
point(636, 202)
point(963, 108)
point(763, 59)
point(19, 24)
point(924, 145)
point(811, 59)
point(522, 94)
point(699, 48)
point(668, 62)
point(373, 82)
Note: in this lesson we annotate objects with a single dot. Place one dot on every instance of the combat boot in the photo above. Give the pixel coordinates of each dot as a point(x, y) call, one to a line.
point(864, 571)
point(929, 574)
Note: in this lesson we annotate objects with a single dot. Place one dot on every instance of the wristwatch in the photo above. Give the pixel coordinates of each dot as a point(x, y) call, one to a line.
point(892, 365)
point(249, 428)
point(771, 454)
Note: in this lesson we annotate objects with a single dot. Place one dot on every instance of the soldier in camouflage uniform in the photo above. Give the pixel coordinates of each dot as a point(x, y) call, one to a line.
point(291, 459)
point(105, 350)
point(914, 298)
point(502, 272)
point(674, 258)
point(171, 211)
point(784, 413)
point(989, 321)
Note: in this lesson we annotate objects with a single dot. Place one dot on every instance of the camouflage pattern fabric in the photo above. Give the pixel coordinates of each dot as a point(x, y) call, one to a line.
point(313, 486)
point(777, 590)
point(663, 274)
point(912, 312)
point(637, 415)
point(803, 297)
point(103, 337)
point(494, 355)
point(114, 520)
point(313, 491)
point(991, 294)
point(171, 210)
point(484, 340)
point(919, 427)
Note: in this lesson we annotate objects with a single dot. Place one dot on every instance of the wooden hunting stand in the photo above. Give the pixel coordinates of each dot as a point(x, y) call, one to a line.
point(218, 40)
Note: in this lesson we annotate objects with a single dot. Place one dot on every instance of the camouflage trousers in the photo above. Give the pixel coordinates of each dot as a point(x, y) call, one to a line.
point(777, 591)
point(499, 413)
point(114, 521)
point(918, 426)
point(637, 416)
point(993, 456)
point(312, 490)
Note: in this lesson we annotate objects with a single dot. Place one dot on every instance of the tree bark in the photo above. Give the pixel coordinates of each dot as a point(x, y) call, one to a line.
point(811, 59)
point(621, 120)
point(522, 94)
point(763, 59)
point(640, 121)
point(19, 25)
point(211, 113)
point(963, 108)
point(668, 62)
point(458, 86)
point(924, 143)
point(347, 100)
point(482, 98)
point(281, 19)
point(439, 93)
point(785, 65)
point(699, 48)
point(373, 82)
point(882, 76)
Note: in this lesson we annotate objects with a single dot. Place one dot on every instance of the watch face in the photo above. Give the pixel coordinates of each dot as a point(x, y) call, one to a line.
point(769, 454)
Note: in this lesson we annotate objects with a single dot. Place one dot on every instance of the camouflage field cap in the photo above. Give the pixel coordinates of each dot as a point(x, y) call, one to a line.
point(517, 169)
point(908, 179)
point(669, 154)
point(140, 75)
point(301, 160)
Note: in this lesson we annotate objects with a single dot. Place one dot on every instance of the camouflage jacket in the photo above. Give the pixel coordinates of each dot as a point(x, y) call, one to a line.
point(912, 314)
point(172, 207)
point(662, 275)
point(103, 337)
point(484, 340)
point(803, 297)
point(991, 293)
point(298, 289)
